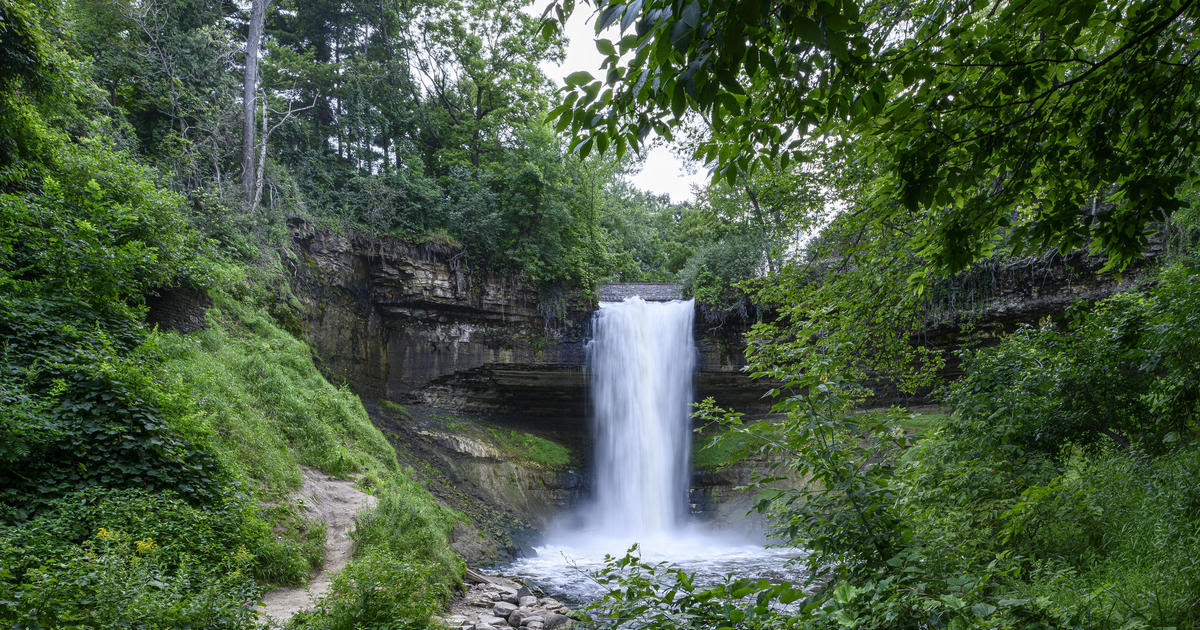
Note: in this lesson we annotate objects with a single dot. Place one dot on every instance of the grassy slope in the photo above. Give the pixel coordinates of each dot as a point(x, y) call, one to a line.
point(513, 444)
point(271, 412)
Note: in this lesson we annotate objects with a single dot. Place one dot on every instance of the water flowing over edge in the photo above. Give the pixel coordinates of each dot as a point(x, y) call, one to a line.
point(641, 364)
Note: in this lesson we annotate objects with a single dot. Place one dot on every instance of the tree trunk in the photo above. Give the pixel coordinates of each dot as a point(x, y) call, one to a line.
point(258, 10)
point(262, 159)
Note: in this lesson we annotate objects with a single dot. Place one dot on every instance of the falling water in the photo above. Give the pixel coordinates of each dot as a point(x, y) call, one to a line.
point(641, 359)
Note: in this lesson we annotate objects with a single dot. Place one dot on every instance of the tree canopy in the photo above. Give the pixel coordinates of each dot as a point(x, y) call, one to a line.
point(1048, 123)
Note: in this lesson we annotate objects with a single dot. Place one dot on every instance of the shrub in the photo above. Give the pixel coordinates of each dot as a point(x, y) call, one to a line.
point(118, 558)
point(377, 590)
point(403, 571)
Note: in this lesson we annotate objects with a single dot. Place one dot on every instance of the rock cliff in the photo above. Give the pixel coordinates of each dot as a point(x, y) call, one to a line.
point(412, 324)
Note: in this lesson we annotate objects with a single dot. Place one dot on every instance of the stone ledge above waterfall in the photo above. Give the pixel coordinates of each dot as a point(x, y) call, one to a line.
point(412, 324)
point(649, 291)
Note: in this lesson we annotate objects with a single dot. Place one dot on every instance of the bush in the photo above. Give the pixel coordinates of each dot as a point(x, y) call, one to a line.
point(116, 558)
point(1123, 373)
point(404, 570)
point(378, 590)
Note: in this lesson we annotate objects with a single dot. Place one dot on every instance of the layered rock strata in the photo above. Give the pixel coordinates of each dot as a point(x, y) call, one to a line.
point(413, 324)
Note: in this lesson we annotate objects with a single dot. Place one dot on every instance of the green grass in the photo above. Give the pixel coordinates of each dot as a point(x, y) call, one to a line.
point(272, 412)
point(512, 444)
point(532, 448)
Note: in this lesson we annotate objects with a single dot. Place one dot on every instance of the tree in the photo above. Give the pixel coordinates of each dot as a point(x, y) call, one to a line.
point(477, 63)
point(1049, 123)
point(167, 74)
point(258, 10)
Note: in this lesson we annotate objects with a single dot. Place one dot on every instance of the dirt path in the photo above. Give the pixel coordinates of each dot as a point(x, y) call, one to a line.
point(334, 502)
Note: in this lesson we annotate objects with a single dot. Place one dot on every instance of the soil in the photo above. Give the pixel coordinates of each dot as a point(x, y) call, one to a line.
point(335, 502)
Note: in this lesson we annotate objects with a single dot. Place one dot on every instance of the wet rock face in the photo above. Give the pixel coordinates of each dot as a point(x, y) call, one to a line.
point(179, 309)
point(413, 325)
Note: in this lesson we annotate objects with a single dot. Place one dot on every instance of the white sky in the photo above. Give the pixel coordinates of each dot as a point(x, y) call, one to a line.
point(662, 172)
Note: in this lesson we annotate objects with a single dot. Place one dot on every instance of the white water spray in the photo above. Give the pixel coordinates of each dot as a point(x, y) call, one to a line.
point(641, 360)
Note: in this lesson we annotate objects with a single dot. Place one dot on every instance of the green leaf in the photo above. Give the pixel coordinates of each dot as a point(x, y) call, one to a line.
point(580, 77)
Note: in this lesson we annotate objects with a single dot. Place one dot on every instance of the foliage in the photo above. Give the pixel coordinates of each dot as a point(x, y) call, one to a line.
point(1057, 123)
point(713, 272)
point(129, 556)
point(377, 590)
point(1124, 371)
point(645, 595)
point(420, 120)
point(403, 571)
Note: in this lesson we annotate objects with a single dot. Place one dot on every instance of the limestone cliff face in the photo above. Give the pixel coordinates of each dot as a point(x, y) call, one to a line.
point(411, 324)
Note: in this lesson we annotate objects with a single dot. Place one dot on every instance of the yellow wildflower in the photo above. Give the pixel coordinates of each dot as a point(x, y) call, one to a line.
point(145, 546)
point(105, 533)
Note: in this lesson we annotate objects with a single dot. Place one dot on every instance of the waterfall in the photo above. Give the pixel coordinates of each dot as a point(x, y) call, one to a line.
point(640, 362)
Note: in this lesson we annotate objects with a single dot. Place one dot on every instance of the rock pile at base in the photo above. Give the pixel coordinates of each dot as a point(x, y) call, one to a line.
point(496, 603)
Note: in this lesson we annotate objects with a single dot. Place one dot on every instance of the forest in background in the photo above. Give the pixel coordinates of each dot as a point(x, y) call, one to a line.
point(423, 120)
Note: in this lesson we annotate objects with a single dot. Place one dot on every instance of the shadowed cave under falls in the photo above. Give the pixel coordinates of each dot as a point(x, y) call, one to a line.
point(641, 361)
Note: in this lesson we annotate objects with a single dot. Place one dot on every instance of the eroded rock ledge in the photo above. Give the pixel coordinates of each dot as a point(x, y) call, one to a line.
point(412, 324)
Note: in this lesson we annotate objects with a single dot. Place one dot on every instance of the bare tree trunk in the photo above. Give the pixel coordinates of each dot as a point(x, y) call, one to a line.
point(258, 10)
point(262, 159)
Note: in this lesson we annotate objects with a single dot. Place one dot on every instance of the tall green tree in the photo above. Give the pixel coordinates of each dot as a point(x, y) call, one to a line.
point(1052, 123)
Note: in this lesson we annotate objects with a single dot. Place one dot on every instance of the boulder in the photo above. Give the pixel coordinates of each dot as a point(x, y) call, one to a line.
point(503, 609)
point(555, 620)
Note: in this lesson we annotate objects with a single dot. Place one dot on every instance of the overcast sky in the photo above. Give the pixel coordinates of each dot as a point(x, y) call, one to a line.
point(662, 172)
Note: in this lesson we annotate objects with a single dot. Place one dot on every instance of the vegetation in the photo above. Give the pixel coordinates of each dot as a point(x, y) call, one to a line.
point(941, 135)
point(513, 444)
point(139, 466)
point(974, 120)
